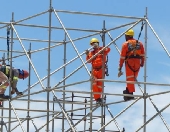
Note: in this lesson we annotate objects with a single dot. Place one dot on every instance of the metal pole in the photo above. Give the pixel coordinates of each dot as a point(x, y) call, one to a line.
point(48, 72)
point(85, 112)
point(91, 102)
point(103, 75)
point(2, 114)
point(53, 113)
point(64, 75)
point(29, 84)
point(145, 75)
point(9, 124)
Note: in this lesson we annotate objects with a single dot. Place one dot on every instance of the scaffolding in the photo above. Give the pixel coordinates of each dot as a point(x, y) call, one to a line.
point(58, 95)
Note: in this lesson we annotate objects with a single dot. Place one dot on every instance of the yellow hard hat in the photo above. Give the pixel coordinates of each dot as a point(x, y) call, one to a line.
point(94, 40)
point(130, 32)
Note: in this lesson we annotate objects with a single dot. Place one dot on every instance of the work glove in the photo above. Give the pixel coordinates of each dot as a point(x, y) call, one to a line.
point(120, 72)
point(86, 52)
point(120, 69)
point(142, 63)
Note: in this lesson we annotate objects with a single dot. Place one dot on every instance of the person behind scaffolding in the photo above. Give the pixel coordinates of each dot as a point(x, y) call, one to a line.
point(97, 67)
point(4, 80)
point(133, 54)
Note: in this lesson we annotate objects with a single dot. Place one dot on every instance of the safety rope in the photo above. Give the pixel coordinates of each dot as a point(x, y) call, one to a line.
point(107, 58)
point(140, 31)
point(8, 39)
point(106, 67)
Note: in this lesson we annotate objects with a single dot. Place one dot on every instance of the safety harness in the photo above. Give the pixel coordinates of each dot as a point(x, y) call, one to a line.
point(132, 49)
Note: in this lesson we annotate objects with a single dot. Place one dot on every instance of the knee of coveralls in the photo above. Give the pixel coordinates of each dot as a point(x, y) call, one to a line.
point(97, 85)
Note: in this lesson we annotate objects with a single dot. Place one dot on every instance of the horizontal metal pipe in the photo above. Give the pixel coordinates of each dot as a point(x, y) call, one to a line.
point(98, 14)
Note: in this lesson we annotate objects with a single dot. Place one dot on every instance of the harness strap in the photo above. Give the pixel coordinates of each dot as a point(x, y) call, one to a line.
point(132, 68)
point(97, 68)
point(136, 57)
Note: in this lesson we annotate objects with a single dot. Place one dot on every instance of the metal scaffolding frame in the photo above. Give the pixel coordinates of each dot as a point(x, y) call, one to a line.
point(85, 105)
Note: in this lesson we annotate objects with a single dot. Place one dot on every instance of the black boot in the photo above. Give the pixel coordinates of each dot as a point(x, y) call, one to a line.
point(126, 98)
point(99, 101)
point(2, 96)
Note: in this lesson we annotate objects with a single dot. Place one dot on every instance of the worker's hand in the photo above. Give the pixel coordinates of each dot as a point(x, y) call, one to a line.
point(86, 52)
point(120, 73)
point(120, 68)
point(142, 64)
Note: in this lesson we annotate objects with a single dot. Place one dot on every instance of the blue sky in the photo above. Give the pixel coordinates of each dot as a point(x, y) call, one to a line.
point(157, 66)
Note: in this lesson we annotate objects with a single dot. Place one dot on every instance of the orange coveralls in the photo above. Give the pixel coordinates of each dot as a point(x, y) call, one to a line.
point(97, 69)
point(134, 58)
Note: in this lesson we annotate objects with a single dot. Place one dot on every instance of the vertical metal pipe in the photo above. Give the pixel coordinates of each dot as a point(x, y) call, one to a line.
point(72, 98)
point(3, 63)
point(2, 114)
point(29, 84)
point(85, 101)
point(53, 113)
point(9, 120)
point(48, 71)
point(145, 70)
point(91, 102)
point(64, 75)
point(103, 75)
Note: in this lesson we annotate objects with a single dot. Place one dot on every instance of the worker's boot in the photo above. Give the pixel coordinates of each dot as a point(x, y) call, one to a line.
point(2, 96)
point(99, 101)
point(126, 98)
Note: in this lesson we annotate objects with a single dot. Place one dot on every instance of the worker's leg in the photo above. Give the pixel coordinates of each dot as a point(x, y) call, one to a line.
point(130, 77)
point(100, 83)
point(132, 68)
point(97, 85)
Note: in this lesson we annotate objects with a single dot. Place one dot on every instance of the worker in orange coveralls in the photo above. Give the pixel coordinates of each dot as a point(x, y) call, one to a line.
point(133, 54)
point(97, 68)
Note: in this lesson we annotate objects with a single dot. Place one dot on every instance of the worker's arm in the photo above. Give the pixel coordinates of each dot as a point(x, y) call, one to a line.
point(88, 56)
point(122, 55)
point(107, 50)
point(142, 55)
